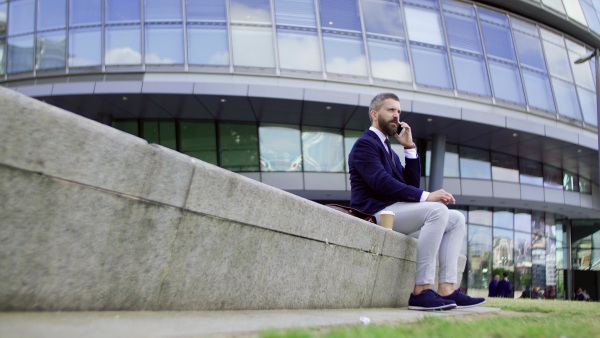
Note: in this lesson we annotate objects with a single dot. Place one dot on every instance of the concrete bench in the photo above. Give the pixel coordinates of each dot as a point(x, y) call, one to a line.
point(92, 218)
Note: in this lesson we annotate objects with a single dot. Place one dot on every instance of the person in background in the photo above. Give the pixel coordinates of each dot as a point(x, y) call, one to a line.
point(504, 288)
point(492, 286)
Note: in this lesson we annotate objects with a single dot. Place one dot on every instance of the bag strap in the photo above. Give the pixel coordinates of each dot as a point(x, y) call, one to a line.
point(353, 212)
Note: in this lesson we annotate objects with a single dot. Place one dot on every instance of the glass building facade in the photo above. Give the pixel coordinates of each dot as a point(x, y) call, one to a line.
point(277, 90)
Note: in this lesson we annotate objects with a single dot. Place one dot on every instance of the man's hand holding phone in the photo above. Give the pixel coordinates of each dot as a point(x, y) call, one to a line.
point(404, 135)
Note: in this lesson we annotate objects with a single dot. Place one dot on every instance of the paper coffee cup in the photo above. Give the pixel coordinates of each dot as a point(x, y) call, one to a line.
point(386, 219)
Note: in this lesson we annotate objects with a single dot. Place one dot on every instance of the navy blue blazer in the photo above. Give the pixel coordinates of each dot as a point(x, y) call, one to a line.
point(375, 182)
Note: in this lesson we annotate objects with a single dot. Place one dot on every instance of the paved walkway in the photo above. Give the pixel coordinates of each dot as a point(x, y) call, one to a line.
point(165, 324)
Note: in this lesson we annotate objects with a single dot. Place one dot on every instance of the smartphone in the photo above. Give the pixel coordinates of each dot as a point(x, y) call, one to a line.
point(399, 131)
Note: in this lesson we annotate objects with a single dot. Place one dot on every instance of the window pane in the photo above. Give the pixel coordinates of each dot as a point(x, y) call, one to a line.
point(471, 74)
point(554, 4)
point(570, 181)
point(574, 11)
point(250, 11)
point(591, 16)
point(585, 187)
point(51, 50)
point(252, 47)
point(344, 55)
point(85, 12)
point(198, 139)
point(480, 216)
point(20, 19)
point(505, 168)
point(162, 10)
point(424, 26)
point(122, 11)
point(461, 25)
point(375, 10)
point(295, 13)
point(506, 82)
point(128, 126)
point(496, 35)
point(538, 90)
point(582, 72)
point(531, 172)
point(238, 147)
point(3, 17)
point(84, 47)
point(503, 219)
point(503, 250)
point(595, 264)
point(350, 137)
point(123, 45)
point(557, 59)
point(3, 51)
point(451, 160)
point(552, 177)
point(51, 14)
point(529, 45)
point(522, 278)
point(474, 163)
point(164, 44)
point(523, 221)
point(207, 45)
point(280, 148)
point(389, 60)
point(538, 260)
point(20, 54)
point(480, 256)
point(566, 99)
point(206, 10)
point(299, 50)
point(159, 132)
point(588, 106)
point(322, 150)
point(522, 248)
point(431, 67)
point(339, 14)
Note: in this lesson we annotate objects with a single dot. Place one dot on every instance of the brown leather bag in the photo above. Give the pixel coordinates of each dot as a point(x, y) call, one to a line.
point(353, 212)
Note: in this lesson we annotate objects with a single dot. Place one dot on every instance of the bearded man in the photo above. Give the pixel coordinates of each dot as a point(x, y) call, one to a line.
point(380, 182)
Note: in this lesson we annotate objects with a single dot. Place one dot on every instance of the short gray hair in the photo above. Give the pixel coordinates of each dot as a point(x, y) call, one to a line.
point(379, 98)
point(378, 101)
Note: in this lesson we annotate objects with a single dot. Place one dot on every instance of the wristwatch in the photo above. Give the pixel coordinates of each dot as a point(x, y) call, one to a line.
point(414, 146)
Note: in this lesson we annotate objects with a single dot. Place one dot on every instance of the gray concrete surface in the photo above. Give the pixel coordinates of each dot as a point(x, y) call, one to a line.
point(94, 219)
point(201, 323)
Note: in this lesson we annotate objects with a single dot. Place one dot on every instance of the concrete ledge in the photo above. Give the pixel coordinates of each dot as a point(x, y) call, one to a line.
point(95, 219)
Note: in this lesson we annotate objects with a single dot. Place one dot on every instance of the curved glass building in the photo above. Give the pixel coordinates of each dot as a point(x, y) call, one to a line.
point(278, 90)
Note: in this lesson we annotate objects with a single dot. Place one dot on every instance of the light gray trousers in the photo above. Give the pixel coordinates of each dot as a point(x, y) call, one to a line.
point(441, 231)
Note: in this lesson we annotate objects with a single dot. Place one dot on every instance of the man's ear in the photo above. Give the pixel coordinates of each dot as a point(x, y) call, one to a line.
point(372, 115)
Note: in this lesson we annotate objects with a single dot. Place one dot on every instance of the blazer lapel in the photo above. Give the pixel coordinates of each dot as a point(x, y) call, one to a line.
point(395, 170)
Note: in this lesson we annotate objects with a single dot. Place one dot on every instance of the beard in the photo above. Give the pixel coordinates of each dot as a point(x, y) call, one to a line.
point(387, 127)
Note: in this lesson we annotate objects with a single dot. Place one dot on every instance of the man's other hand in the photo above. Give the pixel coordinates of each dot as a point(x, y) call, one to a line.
point(441, 196)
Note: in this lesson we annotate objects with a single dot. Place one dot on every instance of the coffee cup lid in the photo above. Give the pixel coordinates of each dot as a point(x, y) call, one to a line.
point(387, 212)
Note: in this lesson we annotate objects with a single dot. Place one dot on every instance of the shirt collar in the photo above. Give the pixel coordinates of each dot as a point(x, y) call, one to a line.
point(381, 136)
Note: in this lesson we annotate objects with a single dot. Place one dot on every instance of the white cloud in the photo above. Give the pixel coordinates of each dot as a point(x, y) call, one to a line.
point(123, 56)
point(391, 69)
point(341, 65)
point(252, 47)
point(219, 59)
point(152, 58)
point(243, 13)
point(299, 52)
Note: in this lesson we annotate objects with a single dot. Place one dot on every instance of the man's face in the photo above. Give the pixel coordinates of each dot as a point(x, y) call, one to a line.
point(387, 117)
